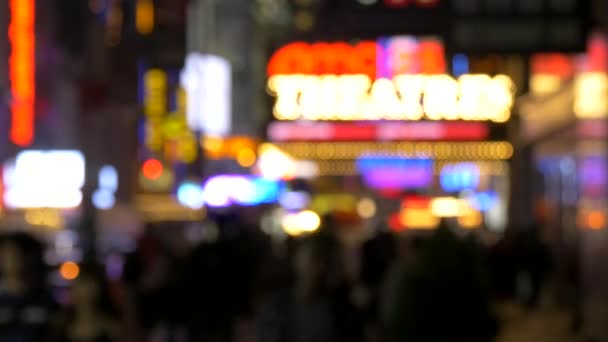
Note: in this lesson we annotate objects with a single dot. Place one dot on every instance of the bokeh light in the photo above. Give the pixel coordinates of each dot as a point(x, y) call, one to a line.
point(152, 169)
point(366, 208)
point(69, 270)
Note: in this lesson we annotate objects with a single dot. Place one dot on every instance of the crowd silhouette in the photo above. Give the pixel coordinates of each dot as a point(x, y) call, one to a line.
point(244, 286)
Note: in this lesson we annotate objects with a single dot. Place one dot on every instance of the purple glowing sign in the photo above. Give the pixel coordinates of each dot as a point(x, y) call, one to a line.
point(395, 172)
point(593, 175)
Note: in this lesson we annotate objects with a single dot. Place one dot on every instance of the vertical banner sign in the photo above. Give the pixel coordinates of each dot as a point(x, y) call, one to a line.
point(207, 80)
point(22, 64)
point(155, 107)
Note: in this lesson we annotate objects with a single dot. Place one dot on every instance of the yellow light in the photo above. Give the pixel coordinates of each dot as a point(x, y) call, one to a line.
point(187, 147)
point(499, 150)
point(301, 223)
point(447, 207)
point(48, 218)
point(418, 218)
point(155, 107)
point(327, 203)
point(69, 270)
point(366, 208)
point(144, 16)
point(471, 219)
point(591, 95)
point(213, 146)
point(246, 157)
point(545, 84)
point(406, 97)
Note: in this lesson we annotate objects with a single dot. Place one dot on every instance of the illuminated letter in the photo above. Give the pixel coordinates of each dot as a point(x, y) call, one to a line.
point(499, 98)
point(286, 88)
point(411, 88)
point(384, 101)
point(352, 96)
point(440, 98)
point(471, 103)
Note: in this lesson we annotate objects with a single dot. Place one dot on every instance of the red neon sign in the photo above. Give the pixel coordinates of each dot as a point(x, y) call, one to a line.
point(22, 69)
point(384, 58)
point(402, 131)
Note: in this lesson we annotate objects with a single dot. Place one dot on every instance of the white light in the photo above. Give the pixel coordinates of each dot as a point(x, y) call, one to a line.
point(275, 164)
point(51, 179)
point(108, 178)
point(294, 200)
point(217, 191)
point(207, 80)
point(103, 199)
point(191, 195)
point(447, 207)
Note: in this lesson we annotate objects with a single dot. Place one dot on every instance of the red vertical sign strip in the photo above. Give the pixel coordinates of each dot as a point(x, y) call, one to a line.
point(22, 69)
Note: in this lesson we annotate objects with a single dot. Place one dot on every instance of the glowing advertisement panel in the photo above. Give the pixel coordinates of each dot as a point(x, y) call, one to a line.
point(45, 179)
point(208, 83)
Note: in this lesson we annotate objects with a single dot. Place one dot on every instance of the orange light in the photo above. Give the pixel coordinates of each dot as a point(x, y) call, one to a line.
point(152, 169)
point(22, 71)
point(596, 220)
point(144, 16)
point(69, 270)
point(246, 157)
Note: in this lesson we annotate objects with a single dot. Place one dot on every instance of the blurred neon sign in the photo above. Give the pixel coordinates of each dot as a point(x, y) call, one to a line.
point(483, 201)
point(395, 172)
point(458, 177)
point(155, 106)
point(405, 97)
point(591, 101)
point(22, 69)
point(386, 57)
point(392, 78)
point(45, 179)
point(377, 131)
point(207, 80)
point(167, 131)
point(226, 190)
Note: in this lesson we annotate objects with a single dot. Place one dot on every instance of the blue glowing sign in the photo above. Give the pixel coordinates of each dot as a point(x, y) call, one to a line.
point(483, 201)
point(458, 177)
point(226, 190)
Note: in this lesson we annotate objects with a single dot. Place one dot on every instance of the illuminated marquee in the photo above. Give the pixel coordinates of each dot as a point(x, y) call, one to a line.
point(392, 79)
point(22, 65)
point(385, 57)
point(406, 97)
